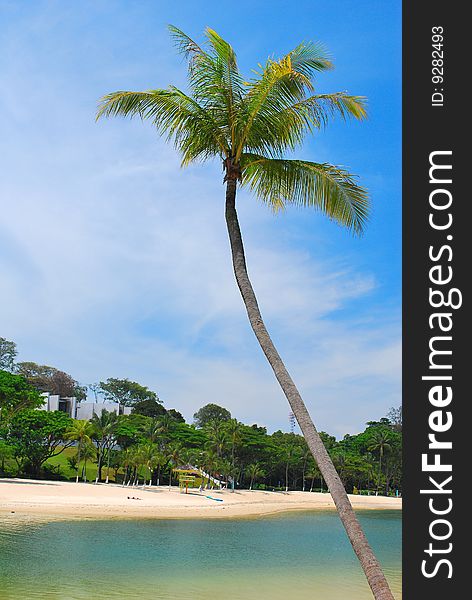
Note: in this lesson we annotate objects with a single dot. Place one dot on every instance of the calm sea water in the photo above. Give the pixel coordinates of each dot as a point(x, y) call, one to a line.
point(296, 556)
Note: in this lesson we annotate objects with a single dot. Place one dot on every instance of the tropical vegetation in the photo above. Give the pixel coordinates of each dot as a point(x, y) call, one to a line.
point(145, 449)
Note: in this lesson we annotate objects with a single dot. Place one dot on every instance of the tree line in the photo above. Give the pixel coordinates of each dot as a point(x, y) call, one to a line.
point(146, 446)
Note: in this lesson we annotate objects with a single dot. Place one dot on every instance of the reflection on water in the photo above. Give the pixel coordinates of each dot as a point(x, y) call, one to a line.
point(297, 556)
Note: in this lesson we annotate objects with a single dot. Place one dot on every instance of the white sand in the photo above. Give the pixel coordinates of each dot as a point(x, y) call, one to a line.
point(57, 499)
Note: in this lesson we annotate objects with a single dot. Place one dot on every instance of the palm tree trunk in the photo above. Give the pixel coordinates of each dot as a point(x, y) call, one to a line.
point(369, 563)
point(99, 465)
point(108, 462)
point(380, 471)
point(78, 464)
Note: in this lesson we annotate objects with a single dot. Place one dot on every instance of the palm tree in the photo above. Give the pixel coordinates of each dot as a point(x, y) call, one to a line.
point(152, 431)
point(149, 456)
point(126, 457)
point(307, 460)
point(380, 443)
point(166, 423)
point(249, 125)
point(104, 427)
point(208, 464)
point(136, 460)
point(223, 469)
point(254, 470)
point(218, 441)
point(87, 453)
point(288, 453)
point(174, 455)
point(312, 474)
point(234, 429)
point(81, 432)
point(160, 460)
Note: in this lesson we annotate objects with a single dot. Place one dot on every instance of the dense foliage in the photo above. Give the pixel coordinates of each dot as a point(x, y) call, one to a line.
point(16, 393)
point(148, 444)
point(35, 436)
point(138, 447)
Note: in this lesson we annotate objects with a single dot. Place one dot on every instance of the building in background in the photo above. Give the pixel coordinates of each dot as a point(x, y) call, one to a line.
point(56, 402)
point(82, 410)
point(86, 410)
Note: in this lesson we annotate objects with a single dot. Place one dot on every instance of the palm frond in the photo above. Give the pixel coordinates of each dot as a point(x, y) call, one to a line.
point(331, 189)
point(222, 49)
point(323, 105)
point(184, 44)
point(253, 123)
point(173, 113)
point(310, 58)
point(279, 86)
point(229, 84)
point(272, 133)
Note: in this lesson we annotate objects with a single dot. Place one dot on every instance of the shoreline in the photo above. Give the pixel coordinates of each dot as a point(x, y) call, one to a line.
point(59, 500)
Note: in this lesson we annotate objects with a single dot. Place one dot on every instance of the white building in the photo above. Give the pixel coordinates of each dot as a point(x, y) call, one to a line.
point(85, 410)
point(56, 402)
point(81, 410)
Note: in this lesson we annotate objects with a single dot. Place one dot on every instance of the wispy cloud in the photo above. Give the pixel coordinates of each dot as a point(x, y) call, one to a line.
point(116, 263)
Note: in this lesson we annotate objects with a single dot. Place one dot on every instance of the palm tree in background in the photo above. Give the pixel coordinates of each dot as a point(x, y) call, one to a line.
point(103, 428)
point(255, 471)
point(149, 456)
point(234, 429)
point(380, 443)
point(249, 125)
point(174, 456)
point(290, 454)
point(81, 432)
point(87, 453)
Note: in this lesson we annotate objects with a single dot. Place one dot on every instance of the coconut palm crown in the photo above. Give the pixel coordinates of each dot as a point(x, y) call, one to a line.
point(251, 125)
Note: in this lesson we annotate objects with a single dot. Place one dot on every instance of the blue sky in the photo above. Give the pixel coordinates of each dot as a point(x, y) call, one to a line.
point(115, 262)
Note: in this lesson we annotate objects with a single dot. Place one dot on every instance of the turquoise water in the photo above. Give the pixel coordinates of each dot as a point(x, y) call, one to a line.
point(296, 556)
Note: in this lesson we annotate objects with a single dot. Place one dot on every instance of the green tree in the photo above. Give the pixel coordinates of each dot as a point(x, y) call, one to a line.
point(36, 436)
point(16, 394)
point(152, 431)
point(249, 125)
point(88, 453)
point(380, 442)
point(148, 408)
point(129, 429)
point(176, 415)
point(175, 454)
point(6, 452)
point(104, 430)
point(290, 455)
point(210, 412)
point(254, 471)
point(314, 473)
point(159, 461)
point(233, 428)
point(8, 354)
point(126, 392)
point(80, 432)
point(150, 457)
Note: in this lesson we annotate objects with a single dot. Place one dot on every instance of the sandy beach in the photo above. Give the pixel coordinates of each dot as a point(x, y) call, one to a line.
point(58, 499)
